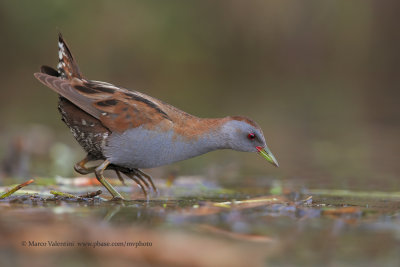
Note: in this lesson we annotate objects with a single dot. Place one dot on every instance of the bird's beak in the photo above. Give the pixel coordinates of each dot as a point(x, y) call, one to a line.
point(267, 154)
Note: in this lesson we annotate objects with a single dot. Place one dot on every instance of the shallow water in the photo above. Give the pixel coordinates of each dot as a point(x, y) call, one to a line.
point(225, 226)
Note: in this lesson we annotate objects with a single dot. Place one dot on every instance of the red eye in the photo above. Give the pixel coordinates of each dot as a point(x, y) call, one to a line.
point(251, 136)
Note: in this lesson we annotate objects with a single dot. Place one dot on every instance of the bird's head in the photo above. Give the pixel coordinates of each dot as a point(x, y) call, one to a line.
point(243, 134)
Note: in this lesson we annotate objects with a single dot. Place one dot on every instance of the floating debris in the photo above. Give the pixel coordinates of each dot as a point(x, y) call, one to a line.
point(91, 194)
point(62, 194)
point(16, 188)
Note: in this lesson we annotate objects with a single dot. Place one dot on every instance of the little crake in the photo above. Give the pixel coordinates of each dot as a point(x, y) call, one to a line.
point(129, 130)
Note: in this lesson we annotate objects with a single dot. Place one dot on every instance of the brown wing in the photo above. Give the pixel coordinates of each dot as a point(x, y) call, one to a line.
point(118, 109)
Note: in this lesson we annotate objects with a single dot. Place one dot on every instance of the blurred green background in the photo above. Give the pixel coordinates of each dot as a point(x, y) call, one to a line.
point(320, 77)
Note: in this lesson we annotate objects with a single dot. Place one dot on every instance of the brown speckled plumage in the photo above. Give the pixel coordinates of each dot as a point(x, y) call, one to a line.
point(88, 131)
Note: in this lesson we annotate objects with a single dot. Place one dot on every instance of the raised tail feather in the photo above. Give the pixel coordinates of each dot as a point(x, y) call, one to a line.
point(67, 67)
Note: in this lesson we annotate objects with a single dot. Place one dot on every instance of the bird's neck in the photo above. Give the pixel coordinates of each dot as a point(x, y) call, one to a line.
point(207, 134)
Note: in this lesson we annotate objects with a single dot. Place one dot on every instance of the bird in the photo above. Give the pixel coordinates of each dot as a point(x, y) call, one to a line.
point(126, 130)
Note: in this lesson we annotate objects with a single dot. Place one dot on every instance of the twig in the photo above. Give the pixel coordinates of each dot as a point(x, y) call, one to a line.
point(16, 188)
point(62, 194)
point(92, 194)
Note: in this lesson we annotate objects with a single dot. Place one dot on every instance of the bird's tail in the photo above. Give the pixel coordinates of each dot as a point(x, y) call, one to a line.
point(67, 67)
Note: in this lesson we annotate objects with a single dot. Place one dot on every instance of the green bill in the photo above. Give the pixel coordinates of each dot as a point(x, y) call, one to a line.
point(267, 154)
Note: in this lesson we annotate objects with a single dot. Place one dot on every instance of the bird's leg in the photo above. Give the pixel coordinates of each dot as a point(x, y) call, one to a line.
point(148, 177)
point(99, 175)
point(135, 173)
point(82, 169)
point(137, 181)
point(120, 177)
